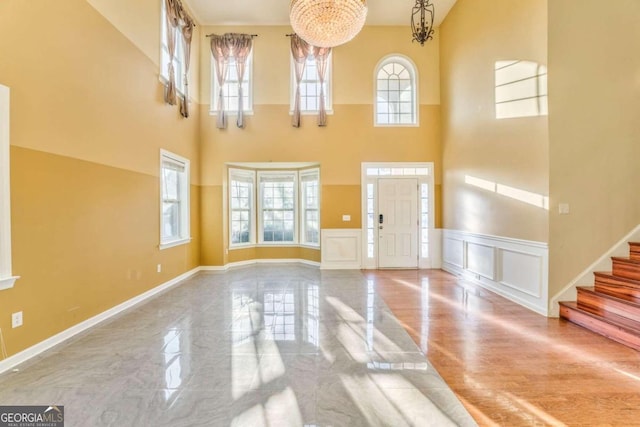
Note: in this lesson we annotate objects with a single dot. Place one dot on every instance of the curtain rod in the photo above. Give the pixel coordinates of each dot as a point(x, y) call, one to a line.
point(213, 34)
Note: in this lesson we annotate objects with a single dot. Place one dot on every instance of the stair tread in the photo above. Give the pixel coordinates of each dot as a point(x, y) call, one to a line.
point(627, 260)
point(613, 319)
point(609, 274)
point(624, 299)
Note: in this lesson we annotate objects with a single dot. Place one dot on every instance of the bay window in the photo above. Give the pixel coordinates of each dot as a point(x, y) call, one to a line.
point(274, 207)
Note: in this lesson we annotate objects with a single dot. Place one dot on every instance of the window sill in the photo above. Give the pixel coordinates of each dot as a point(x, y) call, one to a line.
point(165, 80)
point(245, 246)
point(173, 243)
point(397, 125)
point(7, 283)
point(329, 112)
point(285, 245)
point(233, 113)
point(274, 245)
point(307, 246)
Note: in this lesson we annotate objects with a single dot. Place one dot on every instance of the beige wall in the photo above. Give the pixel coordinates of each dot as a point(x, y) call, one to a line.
point(594, 129)
point(138, 21)
point(512, 152)
point(87, 124)
point(349, 139)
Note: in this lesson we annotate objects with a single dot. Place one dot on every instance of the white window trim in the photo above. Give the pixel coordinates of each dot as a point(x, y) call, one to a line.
point(213, 101)
point(250, 174)
point(163, 75)
point(328, 96)
point(293, 168)
point(185, 226)
point(413, 70)
point(301, 224)
point(7, 280)
point(296, 210)
point(423, 262)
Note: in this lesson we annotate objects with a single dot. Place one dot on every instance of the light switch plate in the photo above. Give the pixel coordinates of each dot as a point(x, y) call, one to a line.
point(563, 208)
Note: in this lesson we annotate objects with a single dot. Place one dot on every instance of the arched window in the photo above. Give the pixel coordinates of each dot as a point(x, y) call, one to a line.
point(396, 92)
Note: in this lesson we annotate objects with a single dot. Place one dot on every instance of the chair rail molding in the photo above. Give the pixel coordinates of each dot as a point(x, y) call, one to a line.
point(515, 269)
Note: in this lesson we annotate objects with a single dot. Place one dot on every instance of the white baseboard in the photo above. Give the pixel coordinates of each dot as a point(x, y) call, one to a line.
point(42, 346)
point(435, 249)
point(259, 261)
point(585, 278)
point(515, 269)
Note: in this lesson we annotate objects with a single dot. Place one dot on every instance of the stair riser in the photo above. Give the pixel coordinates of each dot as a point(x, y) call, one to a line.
point(614, 281)
point(602, 328)
point(598, 304)
point(622, 269)
point(634, 251)
point(618, 290)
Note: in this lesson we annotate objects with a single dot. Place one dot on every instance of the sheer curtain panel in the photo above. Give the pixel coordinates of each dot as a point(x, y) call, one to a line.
point(299, 51)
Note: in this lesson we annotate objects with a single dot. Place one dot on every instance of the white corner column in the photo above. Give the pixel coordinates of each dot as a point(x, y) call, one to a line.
point(7, 280)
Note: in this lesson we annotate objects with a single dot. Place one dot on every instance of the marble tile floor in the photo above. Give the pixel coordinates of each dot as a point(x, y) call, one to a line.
point(276, 345)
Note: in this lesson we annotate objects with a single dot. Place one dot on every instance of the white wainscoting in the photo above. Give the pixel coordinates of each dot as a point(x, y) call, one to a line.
point(341, 248)
point(516, 269)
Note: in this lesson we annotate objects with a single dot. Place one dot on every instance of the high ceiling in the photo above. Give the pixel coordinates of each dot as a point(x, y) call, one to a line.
point(276, 12)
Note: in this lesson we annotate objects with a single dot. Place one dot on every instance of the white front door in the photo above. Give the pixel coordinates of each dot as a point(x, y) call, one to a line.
point(398, 222)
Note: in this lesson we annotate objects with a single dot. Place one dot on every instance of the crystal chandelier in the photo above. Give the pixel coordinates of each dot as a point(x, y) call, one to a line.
point(422, 21)
point(327, 23)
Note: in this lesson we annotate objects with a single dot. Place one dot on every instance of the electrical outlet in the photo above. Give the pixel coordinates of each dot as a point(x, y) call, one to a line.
point(16, 319)
point(159, 268)
point(346, 218)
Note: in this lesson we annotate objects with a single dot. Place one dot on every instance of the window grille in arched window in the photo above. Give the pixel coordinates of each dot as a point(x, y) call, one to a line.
point(396, 92)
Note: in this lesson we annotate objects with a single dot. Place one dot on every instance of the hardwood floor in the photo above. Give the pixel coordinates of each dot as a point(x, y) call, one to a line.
point(508, 365)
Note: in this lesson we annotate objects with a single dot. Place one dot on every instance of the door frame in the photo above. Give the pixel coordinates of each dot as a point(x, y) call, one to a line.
point(367, 180)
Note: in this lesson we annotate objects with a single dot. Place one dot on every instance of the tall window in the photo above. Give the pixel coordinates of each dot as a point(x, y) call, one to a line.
point(241, 200)
point(178, 64)
point(310, 87)
point(174, 199)
point(277, 205)
point(310, 207)
point(231, 87)
point(396, 92)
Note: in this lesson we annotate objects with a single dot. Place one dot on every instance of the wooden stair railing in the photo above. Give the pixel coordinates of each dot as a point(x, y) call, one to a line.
point(612, 306)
